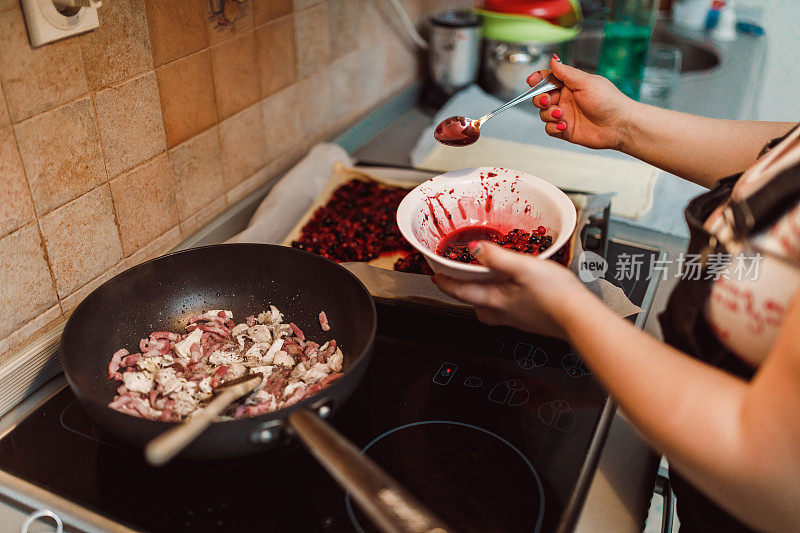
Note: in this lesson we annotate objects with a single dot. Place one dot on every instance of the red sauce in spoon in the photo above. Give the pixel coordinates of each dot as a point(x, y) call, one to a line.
point(456, 131)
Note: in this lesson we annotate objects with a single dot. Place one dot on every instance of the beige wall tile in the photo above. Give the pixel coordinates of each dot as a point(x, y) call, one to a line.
point(40, 79)
point(371, 69)
point(265, 175)
point(313, 38)
point(145, 203)
point(394, 57)
point(197, 171)
point(315, 105)
point(186, 91)
point(242, 145)
point(28, 332)
point(233, 64)
point(218, 25)
point(266, 10)
point(202, 217)
point(120, 47)
point(403, 62)
point(70, 302)
point(82, 240)
point(416, 9)
point(371, 26)
point(61, 152)
point(129, 119)
point(344, 26)
point(347, 86)
point(5, 120)
point(281, 122)
point(275, 42)
point(159, 246)
point(250, 184)
point(25, 278)
point(16, 206)
point(302, 4)
point(177, 28)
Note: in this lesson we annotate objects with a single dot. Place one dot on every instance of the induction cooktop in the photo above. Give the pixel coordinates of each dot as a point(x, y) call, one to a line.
point(493, 428)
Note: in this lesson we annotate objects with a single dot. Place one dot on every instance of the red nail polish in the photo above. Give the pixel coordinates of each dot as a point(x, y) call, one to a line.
point(557, 113)
point(544, 100)
point(474, 247)
point(561, 126)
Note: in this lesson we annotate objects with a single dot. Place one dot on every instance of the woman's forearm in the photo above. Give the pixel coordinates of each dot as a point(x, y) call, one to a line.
point(698, 149)
point(689, 411)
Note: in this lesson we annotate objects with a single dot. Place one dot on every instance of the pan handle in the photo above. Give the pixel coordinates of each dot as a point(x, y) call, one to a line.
point(386, 502)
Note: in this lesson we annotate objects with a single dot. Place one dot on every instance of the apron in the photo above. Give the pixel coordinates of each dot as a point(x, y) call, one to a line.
point(684, 325)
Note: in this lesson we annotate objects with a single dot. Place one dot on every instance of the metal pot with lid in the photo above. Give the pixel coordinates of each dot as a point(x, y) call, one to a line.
point(517, 44)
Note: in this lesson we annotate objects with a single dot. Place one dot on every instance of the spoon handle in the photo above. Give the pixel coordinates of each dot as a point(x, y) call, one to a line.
point(167, 445)
point(549, 83)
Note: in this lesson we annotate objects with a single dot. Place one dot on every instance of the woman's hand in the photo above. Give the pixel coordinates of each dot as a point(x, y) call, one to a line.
point(589, 110)
point(532, 294)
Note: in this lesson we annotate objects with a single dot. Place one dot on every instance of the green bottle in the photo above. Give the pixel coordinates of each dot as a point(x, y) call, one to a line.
point(628, 27)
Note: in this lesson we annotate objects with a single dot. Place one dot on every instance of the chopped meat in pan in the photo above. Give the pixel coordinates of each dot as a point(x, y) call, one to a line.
point(174, 375)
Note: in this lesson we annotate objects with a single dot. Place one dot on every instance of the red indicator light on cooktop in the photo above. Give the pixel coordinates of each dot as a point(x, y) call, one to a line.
point(445, 373)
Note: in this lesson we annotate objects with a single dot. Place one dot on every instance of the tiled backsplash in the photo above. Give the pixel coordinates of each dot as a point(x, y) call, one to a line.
point(117, 144)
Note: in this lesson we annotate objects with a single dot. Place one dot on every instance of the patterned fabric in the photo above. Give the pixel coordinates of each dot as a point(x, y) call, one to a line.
point(685, 326)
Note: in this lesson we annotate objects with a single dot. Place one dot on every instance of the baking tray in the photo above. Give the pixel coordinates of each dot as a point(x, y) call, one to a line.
point(593, 213)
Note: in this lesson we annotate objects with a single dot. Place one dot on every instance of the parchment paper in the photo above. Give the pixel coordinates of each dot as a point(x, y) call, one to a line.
point(307, 186)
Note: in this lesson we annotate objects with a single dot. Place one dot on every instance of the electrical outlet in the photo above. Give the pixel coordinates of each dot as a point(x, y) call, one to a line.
point(47, 23)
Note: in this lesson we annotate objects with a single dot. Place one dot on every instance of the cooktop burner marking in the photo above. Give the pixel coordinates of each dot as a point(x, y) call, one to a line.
point(445, 373)
point(473, 381)
point(528, 356)
point(573, 366)
point(510, 392)
point(349, 504)
point(557, 414)
point(77, 432)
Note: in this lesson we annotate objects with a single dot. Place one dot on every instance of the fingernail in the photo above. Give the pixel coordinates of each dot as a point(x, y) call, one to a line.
point(561, 126)
point(544, 100)
point(555, 56)
point(474, 247)
point(557, 113)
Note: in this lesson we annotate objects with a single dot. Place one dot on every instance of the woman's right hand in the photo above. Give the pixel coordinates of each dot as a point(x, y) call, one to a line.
point(589, 110)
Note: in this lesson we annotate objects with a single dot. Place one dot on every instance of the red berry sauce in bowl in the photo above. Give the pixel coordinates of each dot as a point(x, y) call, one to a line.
point(513, 209)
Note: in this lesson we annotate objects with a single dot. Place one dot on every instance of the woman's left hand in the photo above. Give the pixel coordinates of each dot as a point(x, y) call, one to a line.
point(530, 294)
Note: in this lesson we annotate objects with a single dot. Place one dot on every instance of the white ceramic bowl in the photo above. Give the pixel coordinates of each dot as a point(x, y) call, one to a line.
point(499, 198)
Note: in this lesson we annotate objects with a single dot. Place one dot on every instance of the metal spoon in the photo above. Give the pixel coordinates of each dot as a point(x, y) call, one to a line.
point(463, 131)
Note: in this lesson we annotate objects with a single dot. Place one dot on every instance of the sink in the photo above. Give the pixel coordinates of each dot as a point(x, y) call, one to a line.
point(505, 66)
point(697, 56)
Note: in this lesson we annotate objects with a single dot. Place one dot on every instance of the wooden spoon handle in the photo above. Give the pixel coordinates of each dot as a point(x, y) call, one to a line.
point(163, 448)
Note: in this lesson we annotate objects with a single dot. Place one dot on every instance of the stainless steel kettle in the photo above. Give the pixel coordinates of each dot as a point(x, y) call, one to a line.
point(454, 49)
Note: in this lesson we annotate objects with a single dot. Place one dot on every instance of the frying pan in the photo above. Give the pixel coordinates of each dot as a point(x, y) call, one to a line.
point(162, 294)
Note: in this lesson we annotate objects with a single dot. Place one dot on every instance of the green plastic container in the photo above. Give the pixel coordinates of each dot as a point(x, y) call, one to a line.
point(627, 31)
point(521, 29)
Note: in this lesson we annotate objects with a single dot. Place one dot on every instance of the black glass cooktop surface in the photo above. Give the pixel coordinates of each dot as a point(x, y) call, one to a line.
point(487, 425)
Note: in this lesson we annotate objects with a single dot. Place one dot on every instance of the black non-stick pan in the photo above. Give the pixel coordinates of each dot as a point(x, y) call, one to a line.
point(164, 293)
